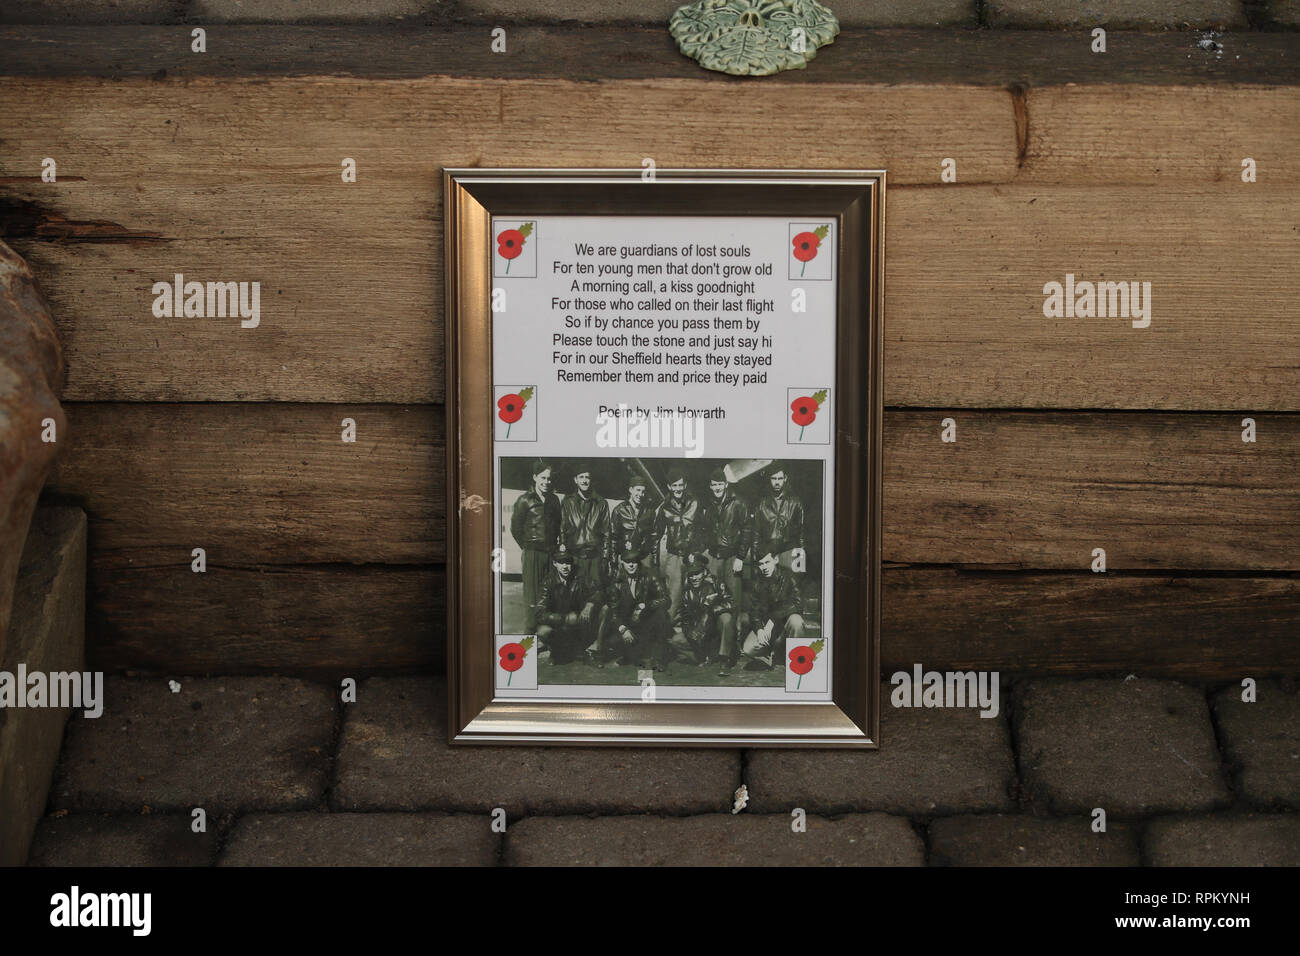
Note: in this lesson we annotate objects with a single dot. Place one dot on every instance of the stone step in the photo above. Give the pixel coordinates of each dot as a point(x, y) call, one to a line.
point(1130, 747)
point(222, 744)
point(288, 773)
point(394, 755)
point(717, 839)
point(1261, 741)
point(1224, 840)
point(47, 634)
point(1022, 840)
point(361, 839)
point(930, 762)
point(120, 839)
point(870, 839)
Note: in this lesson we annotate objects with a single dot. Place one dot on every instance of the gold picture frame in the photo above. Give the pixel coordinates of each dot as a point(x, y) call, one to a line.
point(854, 201)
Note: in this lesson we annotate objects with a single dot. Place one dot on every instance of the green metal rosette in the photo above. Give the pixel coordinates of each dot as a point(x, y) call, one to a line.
point(753, 37)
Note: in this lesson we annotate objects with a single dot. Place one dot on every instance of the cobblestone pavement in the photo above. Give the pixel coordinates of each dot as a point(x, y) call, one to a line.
point(287, 774)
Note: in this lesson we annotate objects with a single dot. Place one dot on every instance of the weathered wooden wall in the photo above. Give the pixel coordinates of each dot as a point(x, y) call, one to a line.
point(1072, 433)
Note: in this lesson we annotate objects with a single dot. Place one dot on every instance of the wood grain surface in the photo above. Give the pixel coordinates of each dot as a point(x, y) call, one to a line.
point(339, 621)
point(243, 183)
point(979, 57)
point(327, 558)
point(1164, 135)
point(272, 483)
point(302, 620)
point(351, 298)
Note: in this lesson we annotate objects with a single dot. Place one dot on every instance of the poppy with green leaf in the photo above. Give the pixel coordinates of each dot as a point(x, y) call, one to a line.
point(804, 410)
point(512, 656)
point(806, 245)
point(510, 408)
point(510, 243)
point(803, 657)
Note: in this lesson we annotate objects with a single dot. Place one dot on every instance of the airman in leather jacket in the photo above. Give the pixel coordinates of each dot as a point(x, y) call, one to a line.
point(584, 524)
point(772, 598)
point(535, 523)
point(778, 525)
point(727, 529)
point(561, 597)
point(680, 520)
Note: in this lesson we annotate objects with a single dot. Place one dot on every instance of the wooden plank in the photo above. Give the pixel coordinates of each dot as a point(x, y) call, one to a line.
point(966, 269)
point(991, 57)
point(352, 297)
point(337, 622)
point(273, 484)
point(295, 132)
point(1042, 490)
point(1163, 136)
point(256, 484)
point(341, 320)
point(1216, 628)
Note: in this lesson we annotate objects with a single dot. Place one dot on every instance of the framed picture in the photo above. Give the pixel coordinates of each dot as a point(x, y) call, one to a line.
point(663, 441)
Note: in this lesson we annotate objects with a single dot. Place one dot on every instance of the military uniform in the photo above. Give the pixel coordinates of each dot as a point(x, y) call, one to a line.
point(727, 536)
point(677, 523)
point(774, 599)
point(584, 529)
point(778, 527)
point(535, 526)
point(706, 616)
point(634, 622)
point(560, 625)
point(629, 530)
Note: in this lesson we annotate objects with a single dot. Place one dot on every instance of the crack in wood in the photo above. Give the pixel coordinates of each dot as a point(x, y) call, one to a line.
point(1020, 111)
point(26, 219)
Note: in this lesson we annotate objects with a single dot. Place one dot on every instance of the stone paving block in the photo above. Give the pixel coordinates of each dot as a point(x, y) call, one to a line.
point(930, 761)
point(871, 839)
point(1116, 14)
point(1224, 840)
point(89, 11)
point(361, 839)
point(1131, 747)
point(91, 839)
point(47, 634)
point(230, 743)
point(394, 756)
point(1017, 840)
point(310, 11)
point(1262, 744)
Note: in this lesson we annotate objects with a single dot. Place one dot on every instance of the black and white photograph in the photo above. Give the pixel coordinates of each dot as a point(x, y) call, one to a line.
point(697, 570)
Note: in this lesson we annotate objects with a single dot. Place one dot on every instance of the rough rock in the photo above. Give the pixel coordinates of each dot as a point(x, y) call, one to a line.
point(31, 379)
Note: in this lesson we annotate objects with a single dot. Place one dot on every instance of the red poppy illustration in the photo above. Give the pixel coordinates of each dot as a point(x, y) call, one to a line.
point(512, 656)
point(802, 658)
point(510, 242)
point(807, 243)
point(804, 410)
point(510, 408)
